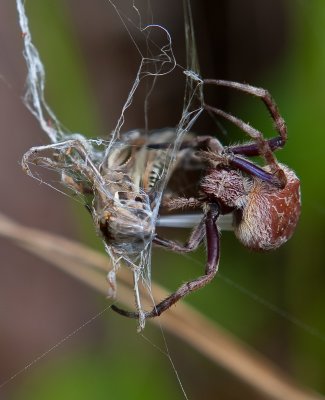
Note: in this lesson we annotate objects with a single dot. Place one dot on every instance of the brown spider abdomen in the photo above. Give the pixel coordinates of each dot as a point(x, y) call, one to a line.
point(270, 214)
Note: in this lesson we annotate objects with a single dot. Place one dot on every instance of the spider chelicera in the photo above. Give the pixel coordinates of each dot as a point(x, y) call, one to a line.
point(264, 201)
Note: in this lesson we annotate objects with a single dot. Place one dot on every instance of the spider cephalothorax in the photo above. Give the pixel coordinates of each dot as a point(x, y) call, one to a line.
point(264, 201)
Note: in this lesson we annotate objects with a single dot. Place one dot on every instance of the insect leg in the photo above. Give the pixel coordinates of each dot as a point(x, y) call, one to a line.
point(61, 159)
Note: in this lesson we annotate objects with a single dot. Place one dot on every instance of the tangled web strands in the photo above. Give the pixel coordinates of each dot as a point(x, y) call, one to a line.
point(88, 167)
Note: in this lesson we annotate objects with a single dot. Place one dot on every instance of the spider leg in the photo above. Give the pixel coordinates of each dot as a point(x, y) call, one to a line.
point(252, 149)
point(211, 268)
point(192, 244)
point(202, 142)
point(265, 96)
point(263, 146)
point(252, 169)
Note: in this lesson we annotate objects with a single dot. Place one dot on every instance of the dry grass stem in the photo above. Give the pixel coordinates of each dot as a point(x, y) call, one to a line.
point(182, 321)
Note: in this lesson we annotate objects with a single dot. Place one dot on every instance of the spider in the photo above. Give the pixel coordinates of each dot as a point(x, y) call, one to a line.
point(264, 201)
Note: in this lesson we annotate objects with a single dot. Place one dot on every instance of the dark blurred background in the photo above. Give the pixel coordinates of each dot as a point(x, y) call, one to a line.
point(274, 302)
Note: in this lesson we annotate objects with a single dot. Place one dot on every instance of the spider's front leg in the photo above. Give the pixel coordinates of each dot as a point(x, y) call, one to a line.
point(262, 147)
point(267, 99)
point(211, 268)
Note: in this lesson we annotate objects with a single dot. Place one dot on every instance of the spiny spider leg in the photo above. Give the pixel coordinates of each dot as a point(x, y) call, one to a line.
point(192, 244)
point(227, 158)
point(205, 142)
point(202, 142)
point(252, 149)
point(264, 149)
point(252, 169)
point(211, 268)
point(264, 95)
point(252, 132)
point(263, 146)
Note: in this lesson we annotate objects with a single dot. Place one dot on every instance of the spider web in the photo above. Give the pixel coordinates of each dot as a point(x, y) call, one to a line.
point(80, 161)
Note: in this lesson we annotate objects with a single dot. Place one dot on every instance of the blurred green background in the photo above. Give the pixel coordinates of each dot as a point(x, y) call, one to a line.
point(274, 302)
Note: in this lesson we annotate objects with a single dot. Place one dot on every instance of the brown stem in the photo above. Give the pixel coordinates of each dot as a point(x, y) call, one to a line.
point(182, 321)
